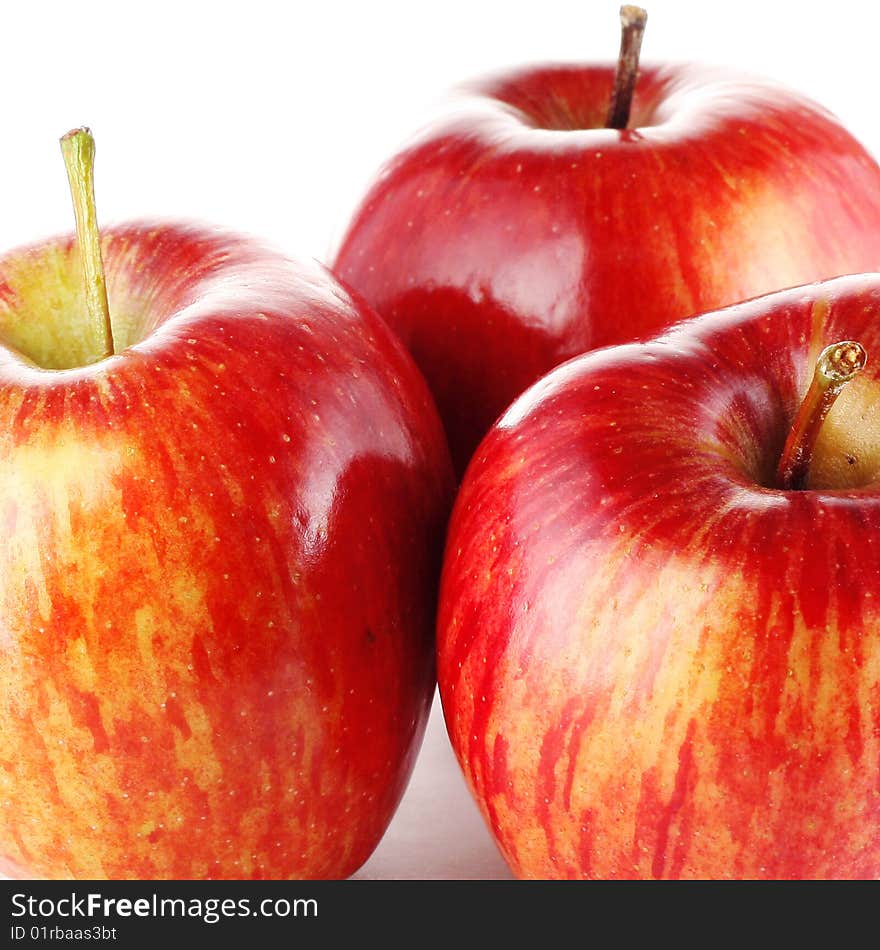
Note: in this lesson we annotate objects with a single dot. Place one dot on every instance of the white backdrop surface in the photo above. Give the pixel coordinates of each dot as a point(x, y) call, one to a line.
point(271, 117)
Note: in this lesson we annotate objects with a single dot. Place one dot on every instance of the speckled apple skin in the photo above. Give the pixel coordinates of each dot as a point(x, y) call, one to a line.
point(654, 664)
point(516, 231)
point(218, 567)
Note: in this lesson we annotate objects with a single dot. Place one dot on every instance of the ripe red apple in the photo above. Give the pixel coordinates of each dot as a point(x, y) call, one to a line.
point(655, 660)
point(518, 230)
point(222, 523)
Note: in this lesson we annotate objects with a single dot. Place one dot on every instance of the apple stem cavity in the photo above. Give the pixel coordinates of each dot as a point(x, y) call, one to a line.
point(632, 27)
point(78, 149)
point(836, 366)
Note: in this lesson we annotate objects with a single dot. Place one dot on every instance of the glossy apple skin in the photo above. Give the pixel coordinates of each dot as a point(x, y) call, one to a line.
point(218, 575)
point(516, 231)
point(651, 665)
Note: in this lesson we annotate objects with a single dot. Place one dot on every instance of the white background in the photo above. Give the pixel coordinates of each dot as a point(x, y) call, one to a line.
point(270, 117)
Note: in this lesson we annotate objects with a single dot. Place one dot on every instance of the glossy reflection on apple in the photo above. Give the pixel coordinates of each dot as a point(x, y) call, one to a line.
point(519, 230)
point(655, 660)
point(223, 502)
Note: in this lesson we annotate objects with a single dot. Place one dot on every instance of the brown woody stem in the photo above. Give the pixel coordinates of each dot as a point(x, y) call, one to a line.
point(78, 149)
point(836, 366)
point(632, 27)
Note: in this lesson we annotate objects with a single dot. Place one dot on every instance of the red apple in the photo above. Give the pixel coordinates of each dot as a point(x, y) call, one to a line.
point(217, 580)
point(656, 660)
point(518, 231)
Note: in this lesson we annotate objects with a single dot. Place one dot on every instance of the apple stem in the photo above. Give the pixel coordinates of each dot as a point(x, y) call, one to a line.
point(632, 26)
point(836, 366)
point(78, 149)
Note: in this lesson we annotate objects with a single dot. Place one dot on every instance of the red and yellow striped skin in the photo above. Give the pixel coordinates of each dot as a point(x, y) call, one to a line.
point(217, 569)
point(651, 665)
point(517, 231)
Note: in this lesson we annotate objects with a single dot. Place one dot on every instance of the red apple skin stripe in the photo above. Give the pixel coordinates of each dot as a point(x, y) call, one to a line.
point(653, 662)
point(218, 570)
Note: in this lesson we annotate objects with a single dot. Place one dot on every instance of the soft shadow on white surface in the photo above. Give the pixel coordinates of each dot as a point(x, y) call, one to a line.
point(437, 832)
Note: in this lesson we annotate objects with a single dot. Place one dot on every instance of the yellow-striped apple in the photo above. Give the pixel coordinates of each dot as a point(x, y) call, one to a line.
point(525, 226)
point(222, 504)
point(659, 628)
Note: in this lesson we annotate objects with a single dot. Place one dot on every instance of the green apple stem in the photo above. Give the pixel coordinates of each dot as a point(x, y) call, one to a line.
point(836, 366)
point(632, 27)
point(78, 149)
